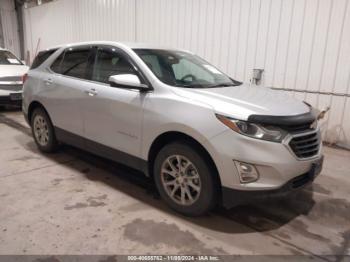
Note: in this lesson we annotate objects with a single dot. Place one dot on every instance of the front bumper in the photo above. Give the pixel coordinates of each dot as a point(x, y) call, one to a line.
point(232, 197)
point(275, 162)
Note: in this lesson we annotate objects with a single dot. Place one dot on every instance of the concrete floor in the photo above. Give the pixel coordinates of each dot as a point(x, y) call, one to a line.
point(71, 202)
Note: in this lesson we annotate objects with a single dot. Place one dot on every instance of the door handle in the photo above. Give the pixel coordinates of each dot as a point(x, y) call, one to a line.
point(48, 81)
point(91, 92)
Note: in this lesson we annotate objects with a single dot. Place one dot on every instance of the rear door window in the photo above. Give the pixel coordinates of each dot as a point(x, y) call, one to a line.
point(73, 62)
point(56, 65)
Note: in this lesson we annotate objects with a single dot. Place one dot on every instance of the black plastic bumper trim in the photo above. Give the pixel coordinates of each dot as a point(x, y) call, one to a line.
point(284, 120)
point(232, 197)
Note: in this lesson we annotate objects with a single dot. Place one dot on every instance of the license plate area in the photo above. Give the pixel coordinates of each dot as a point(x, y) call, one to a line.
point(16, 96)
point(308, 177)
point(316, 167)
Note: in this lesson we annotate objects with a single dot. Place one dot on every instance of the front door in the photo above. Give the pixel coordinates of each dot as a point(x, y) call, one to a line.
point(113, 115)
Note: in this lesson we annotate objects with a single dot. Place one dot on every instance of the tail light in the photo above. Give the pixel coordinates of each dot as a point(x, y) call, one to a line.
point(24, 78)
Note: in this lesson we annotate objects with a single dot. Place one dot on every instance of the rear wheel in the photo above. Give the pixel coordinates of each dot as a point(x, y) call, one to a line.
point(43, 131)
point(185, 180)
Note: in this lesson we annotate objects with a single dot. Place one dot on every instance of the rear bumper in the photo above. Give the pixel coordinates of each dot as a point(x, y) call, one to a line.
point(232, 197)
point(6, 100)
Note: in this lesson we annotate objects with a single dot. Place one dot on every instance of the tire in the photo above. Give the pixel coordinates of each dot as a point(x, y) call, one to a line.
point(195, 178)
point(43, 131)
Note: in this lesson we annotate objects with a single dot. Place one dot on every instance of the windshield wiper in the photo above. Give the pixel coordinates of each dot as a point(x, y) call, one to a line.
point(236, 83)
point(189, 86)
point(222, 85)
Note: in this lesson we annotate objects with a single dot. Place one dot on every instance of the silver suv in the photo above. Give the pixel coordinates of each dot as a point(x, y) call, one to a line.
point(203, 137)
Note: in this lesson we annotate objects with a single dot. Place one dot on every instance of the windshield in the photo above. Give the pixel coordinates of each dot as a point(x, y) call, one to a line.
point(177, 68)
point(7, 58)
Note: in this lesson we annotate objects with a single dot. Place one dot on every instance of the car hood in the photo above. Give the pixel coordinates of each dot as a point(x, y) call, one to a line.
point(13, 70)
point(244, 100)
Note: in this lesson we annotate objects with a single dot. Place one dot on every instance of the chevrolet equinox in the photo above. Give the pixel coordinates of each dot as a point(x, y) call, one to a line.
point(204, 138)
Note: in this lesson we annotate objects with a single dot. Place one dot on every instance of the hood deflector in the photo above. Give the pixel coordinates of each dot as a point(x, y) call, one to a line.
point(285, 120)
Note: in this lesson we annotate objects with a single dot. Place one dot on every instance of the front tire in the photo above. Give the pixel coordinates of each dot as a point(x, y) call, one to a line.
point(43, 131)
point(184, 179)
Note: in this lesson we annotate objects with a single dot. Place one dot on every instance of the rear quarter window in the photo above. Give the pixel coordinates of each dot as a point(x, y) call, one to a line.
point(41, 57)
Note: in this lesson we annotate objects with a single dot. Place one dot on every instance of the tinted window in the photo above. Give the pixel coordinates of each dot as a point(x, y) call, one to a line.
point(56, 65)
point(72, 63)
point(152, 62)
point(109, 62)
point(41, 57)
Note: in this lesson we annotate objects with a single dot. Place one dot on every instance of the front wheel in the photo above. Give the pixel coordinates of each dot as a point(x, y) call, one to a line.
point(184, 179)
point(43, 131)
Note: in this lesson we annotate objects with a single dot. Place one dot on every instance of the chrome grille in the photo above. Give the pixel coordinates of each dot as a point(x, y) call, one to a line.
point(298, 128)
point(305, 146)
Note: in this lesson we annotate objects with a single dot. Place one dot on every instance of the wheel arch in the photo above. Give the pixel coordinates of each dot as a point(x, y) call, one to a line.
point(32, 106)
point(174, 136)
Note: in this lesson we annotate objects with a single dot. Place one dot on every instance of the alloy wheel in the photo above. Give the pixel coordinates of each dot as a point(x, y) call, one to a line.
point(41, 130)
point(181, 180)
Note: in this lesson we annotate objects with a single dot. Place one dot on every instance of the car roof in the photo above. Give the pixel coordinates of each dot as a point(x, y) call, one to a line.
point(51, 48)
point(131, 45)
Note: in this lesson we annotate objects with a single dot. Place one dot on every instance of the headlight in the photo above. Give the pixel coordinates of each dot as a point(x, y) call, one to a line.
point(264, 132)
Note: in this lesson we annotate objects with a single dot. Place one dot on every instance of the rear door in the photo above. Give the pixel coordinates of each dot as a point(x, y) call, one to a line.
point(66, 89)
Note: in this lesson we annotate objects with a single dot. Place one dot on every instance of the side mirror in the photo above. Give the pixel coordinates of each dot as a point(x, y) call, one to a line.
point(127, 81)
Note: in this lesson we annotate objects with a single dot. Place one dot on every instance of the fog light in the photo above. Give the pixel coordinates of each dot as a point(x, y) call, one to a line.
point(247, 172)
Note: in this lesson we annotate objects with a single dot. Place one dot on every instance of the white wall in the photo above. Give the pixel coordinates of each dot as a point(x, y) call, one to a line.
point(301, 44)
point(9, 26)
point(65, 21)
